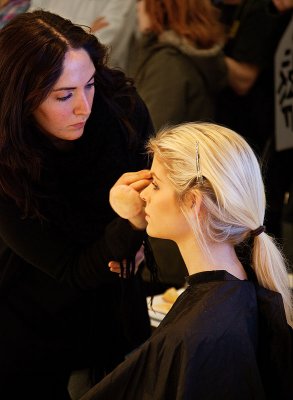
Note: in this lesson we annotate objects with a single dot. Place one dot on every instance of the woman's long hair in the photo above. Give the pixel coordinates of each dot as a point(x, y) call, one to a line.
point(232, 192)
point(196, 20)
point(32, 50)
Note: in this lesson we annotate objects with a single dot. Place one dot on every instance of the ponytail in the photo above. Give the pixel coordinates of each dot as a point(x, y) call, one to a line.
point(270, 269)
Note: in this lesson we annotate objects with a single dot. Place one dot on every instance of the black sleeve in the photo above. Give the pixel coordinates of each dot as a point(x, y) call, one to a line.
point(48, 249)
point(258, 34)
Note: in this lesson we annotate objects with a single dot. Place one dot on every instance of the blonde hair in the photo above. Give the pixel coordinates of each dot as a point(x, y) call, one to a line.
point(232, 192)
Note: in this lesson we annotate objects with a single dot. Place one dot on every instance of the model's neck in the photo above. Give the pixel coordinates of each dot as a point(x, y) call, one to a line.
point(222, 257)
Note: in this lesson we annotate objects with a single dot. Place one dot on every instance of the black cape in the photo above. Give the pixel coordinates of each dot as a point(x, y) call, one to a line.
point(223, 339)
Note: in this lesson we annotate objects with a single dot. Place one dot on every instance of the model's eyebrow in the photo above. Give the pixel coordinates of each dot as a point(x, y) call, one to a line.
point(72, 88)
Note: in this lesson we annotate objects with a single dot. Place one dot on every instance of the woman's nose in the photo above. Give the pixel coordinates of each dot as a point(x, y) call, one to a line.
point(82, 106)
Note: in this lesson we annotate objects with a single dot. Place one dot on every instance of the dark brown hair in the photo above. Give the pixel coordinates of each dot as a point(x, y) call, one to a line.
point(196, 20)
point(32, 50)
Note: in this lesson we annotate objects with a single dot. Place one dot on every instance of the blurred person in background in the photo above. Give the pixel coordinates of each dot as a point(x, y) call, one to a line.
point(10, 8)
point(111, 21)
point(178, 63)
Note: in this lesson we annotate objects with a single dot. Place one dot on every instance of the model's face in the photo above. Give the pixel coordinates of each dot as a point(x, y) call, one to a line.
point(163, 214)
point(63, 114)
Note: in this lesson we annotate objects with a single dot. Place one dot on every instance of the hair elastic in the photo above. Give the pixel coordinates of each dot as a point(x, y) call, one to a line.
point(258, 231)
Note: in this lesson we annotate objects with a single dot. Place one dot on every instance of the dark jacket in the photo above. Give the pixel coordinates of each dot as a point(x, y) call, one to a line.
point(60, 307)
point(177, 80)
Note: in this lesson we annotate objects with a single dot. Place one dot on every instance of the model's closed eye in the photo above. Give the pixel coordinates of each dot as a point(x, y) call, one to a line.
point(155, 186)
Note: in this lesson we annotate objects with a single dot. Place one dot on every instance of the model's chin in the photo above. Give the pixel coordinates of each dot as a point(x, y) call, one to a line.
point(148, 230)
point(156, 234)
point(152, 232)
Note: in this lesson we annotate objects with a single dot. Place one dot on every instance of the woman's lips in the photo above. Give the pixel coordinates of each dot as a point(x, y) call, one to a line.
point(80, 125)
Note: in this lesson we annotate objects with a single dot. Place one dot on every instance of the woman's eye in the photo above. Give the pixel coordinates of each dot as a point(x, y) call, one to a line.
point(90, 85)
point(155, 186)
point(64, 98)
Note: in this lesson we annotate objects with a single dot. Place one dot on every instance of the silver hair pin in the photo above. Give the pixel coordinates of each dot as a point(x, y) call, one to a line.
point(199, 177)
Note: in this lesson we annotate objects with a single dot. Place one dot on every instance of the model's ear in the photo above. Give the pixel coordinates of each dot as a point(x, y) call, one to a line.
point(193, 200)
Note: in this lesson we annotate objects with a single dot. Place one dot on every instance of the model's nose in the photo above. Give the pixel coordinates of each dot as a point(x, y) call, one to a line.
point(144, 193)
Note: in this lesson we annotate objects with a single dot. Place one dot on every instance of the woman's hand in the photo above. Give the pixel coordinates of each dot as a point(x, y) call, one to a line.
point(115, 266)
point(125, 199)
point(98, 24)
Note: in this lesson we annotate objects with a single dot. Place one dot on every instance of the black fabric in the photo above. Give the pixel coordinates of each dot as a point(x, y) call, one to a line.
point(15, 386)
point(223, 339)
point(252, 25)
point(171, 267)
point(60, 307)
point(256, 33)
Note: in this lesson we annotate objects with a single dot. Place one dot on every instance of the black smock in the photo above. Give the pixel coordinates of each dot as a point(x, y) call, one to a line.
point(223, 339)
point(60, 307)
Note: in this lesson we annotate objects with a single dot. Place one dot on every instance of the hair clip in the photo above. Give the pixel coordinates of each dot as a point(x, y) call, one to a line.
point(199, 177)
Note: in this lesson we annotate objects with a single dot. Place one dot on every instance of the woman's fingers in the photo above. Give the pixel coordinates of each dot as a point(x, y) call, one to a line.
point(125, 201)
point(141, 184)
point(125, 198)
point(114, 267)
point(131, 177)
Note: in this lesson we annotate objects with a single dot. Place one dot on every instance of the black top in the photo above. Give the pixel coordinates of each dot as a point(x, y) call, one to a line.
point(224, 338)
point(255, 30)
point(60, 307)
